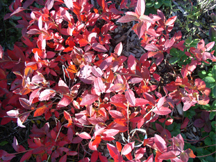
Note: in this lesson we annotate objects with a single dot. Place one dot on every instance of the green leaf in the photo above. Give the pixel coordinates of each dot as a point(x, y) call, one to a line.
point(214, 91)
point(173, 60)
point(202, 74)
point(214, 105)
point(167, 3)
point(208, 141)
point(212, 115)
point(194, 43)
point(210, 158)
point(190, 160)
point(203, 160)
point(149, 4)
point(190, 113)
point(183, 135)
point(213, 124)
point(206, 107)
point(214, 72)
point(3, 143)
point(158, 4)
point(212, 135)
point(199, 151)
point(210, 81)
point(196, 23)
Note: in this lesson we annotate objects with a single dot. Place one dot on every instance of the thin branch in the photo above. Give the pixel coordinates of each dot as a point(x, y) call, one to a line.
point(206, 155)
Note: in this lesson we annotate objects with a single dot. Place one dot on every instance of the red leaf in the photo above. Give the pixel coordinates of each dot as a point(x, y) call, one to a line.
point(72, 153)
point(112, 150)
point(150, 158)
point(6, 156)
point(132, 63)
point(127, 148)
point(72, 69)
point(33, 31)
point(103, 4)
point(40, 111)
point(135, 80)
point(16, 146)
point(169, 43)
point(50, 54)
point(84, 159)
point(118, 49)
point(19, 9)
point(119, 146)
point(144, 18)
point(19, 53)
point(130, 16)
point(161, 102)
point(67, 115)
point(65, 101)
point(151, 47)
point(63, 158)
point(110, 132)
point(185, 123)
point(139, 153)
point(102, 158)
point(47, 94)
point(141, 101)
point(97, 140)
point(160, 143)
point(1, 52)
point(26, 156)
point(92, 147)
point(98, 47)
point(190, 153)
point(200, 84)
point(2, 74)
point(118, 98)
point(167, 155)
point(97, 71)
point(162, 111)
point(88, 99)
point(117, 87)
point(70, 135)
point(34, 95)
point(106, 63)
point(99, 85)
point(120, 121)
point(77, 140)
point(94, 156)
point(83, 42)
point(199, 123)
point(140, 123)
point(149, 97)
point(53, 134)
point(140, 28)
point(140, 7)
point(84, 135)
point(156, 76)
point(116, 114)
point(69, 3)
point(49, 4)
point(210, 46)
point(92, 36)
point(169, 121)
point(171, 21)
point(129, 95)
point(25, 103)
point(129, 156)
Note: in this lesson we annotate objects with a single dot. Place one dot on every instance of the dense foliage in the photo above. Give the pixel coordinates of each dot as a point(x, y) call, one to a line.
point(86, 95)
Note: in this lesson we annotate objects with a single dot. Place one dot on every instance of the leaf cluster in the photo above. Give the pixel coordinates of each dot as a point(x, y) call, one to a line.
point(89, 94)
